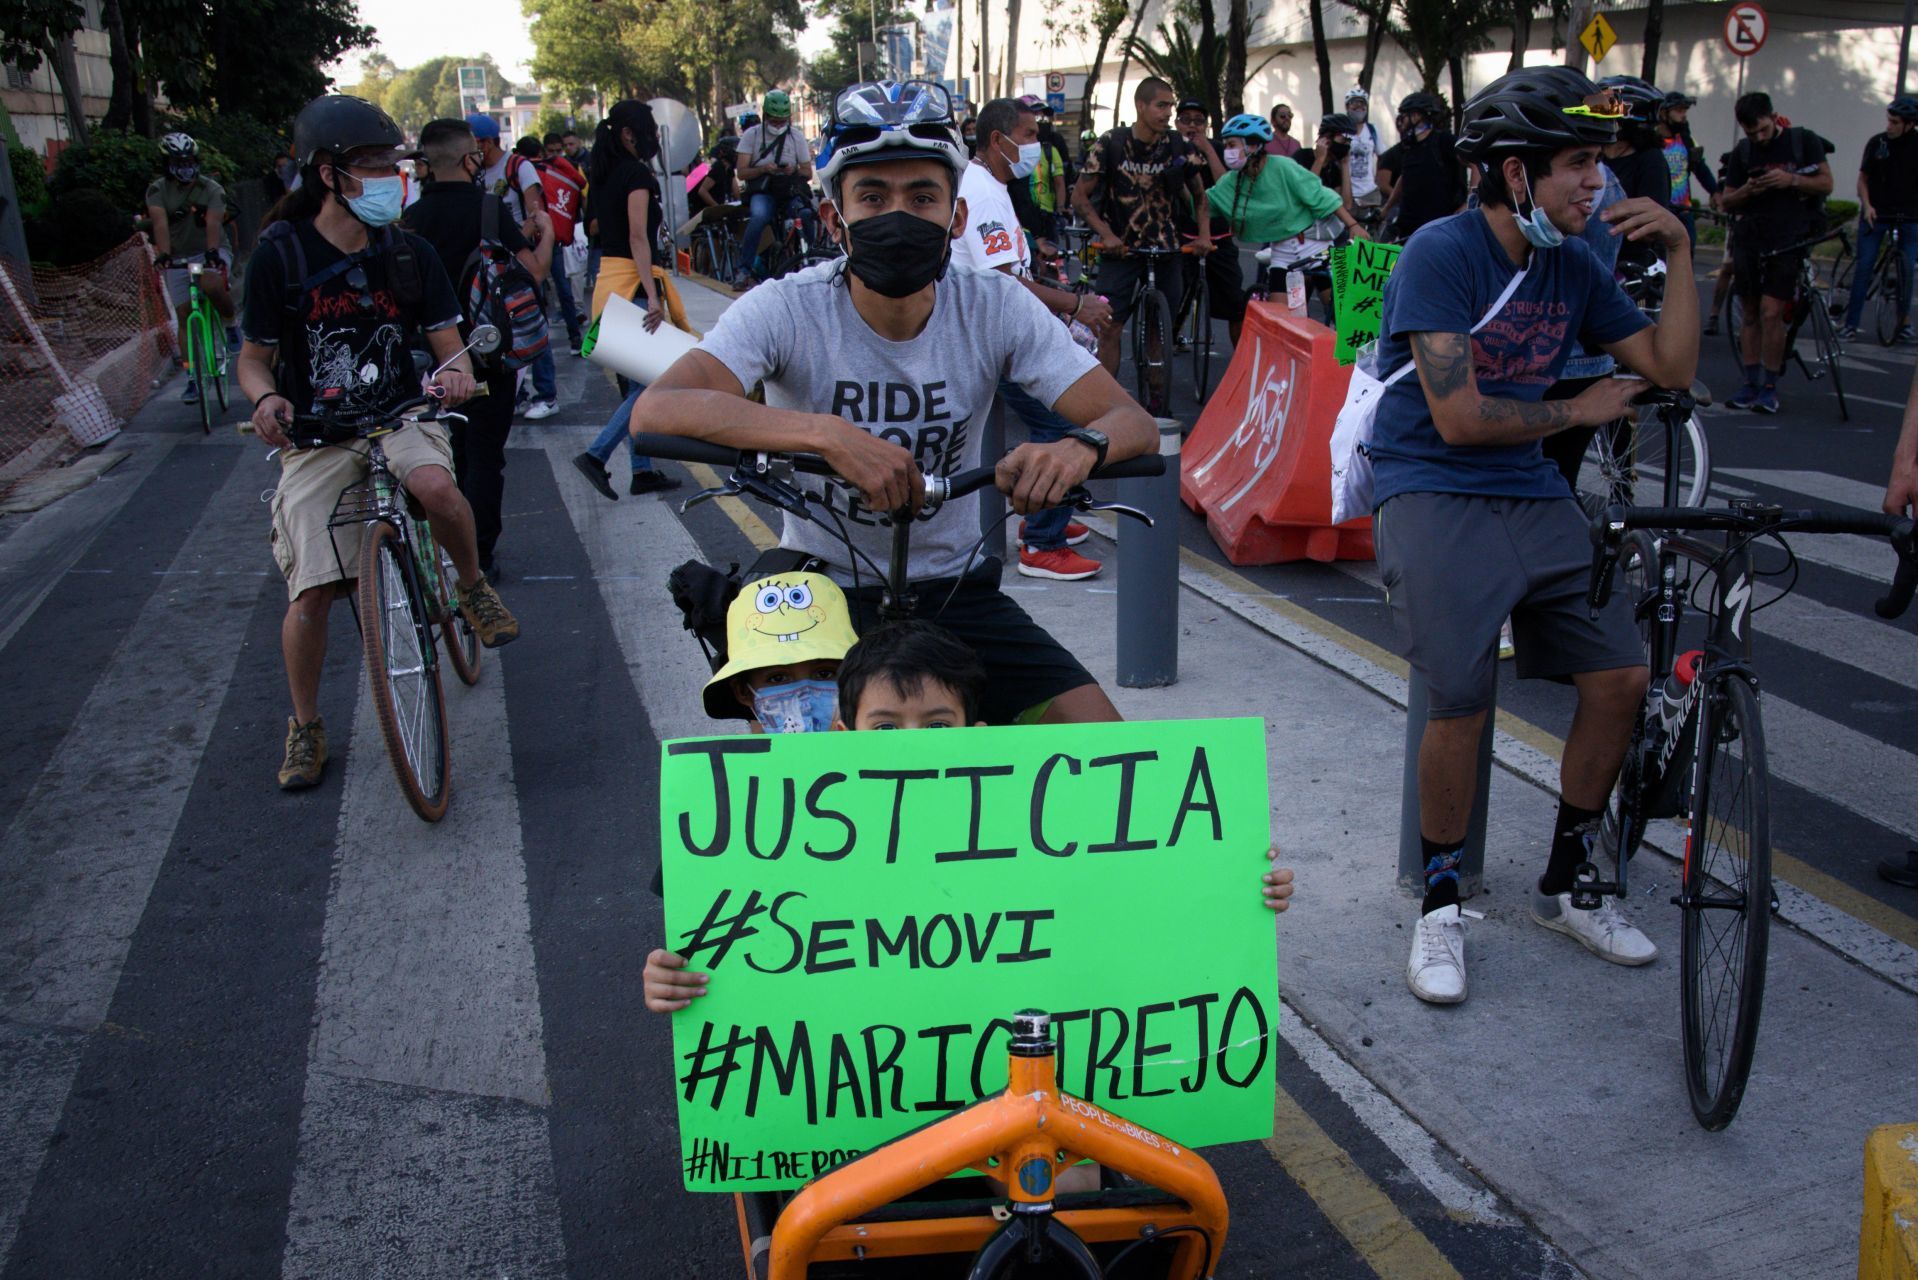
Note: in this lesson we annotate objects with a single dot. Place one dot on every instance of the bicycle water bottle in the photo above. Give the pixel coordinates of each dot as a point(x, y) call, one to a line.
point(1295, 292)
point(1665, 770)
point(1675, 697)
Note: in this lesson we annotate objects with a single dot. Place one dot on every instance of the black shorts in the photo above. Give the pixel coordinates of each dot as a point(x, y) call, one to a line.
point(1119, 282)
point(1024, 665)
point(1754, 276)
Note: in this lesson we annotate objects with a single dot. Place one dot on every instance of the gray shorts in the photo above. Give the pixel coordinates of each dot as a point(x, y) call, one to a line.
point(1455, 567)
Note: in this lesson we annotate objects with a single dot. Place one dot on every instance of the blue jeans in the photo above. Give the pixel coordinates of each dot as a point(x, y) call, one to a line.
point(544, 376)
point(619, 427)
point(1045, 530)
point(563, 287)
point(1870, 240)
point(761, 212)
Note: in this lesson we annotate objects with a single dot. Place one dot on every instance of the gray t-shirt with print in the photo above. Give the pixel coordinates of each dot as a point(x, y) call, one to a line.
point(802, 336)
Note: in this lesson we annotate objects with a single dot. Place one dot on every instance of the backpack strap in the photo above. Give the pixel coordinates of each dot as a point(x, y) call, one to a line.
point(489, 220)
point(403, 269)
point(1498, 305)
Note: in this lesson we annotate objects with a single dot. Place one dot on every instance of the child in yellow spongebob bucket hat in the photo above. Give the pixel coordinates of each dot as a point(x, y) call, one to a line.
point(785, 636)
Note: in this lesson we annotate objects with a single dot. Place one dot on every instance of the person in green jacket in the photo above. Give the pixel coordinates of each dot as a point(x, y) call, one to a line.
point(1269, 198)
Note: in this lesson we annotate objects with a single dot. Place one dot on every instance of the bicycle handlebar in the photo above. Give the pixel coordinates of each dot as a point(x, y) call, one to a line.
point(685, 449)
point(1609, 528)
point(308, 431)
point(1836, 233)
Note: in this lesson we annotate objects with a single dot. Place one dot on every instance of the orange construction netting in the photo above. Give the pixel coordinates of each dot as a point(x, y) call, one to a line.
point(80, 350)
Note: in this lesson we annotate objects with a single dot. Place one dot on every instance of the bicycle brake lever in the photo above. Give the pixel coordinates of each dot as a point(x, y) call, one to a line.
point(726, 490)
point(1080, 499)
point(770, 488)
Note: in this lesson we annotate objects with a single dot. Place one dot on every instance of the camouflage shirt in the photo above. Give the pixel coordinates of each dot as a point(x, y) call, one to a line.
point(1137, 198)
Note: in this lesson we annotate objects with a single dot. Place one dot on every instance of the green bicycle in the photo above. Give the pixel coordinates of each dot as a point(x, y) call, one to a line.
point(207, 357)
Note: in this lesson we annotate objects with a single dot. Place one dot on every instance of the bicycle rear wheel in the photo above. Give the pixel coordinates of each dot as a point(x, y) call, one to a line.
point(1151, 351)
point(1726, 899)
point(462, 642)
point(1825, 340)
point(401, 669)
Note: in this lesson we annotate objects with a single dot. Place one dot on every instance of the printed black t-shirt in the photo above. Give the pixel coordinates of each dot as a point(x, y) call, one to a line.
point(342, 336)
point(1773, 219)
point(1429, 182)
point(1890, 167)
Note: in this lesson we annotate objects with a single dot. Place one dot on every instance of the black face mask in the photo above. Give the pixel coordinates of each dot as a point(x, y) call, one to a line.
point(1340, 150)
point(897, 254)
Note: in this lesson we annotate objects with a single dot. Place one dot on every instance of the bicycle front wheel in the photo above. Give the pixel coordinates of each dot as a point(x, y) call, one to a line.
point(400, 668)
point(1200, 301)
point(1725, 895)
point(1151, 351)
point(1894, 294)
point(1825, 340)
point(462, 642)
point(199, 365)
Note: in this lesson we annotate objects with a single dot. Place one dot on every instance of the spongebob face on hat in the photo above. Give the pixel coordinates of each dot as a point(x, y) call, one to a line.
point(783, 611)
point(787, 621)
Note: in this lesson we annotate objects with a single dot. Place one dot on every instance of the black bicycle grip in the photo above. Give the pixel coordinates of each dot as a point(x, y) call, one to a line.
point(686, 449)
point(1146, 464)
point(1905, 581)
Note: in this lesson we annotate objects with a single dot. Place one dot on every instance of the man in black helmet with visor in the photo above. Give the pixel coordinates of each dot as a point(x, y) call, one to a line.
point(336, 296)
point(1421, 175)
point(1472, 522)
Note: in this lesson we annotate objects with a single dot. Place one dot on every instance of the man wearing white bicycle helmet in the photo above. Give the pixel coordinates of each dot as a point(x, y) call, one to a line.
point(1473, 523)
point(885, 364)
point(187, 212)
point(1362, 166)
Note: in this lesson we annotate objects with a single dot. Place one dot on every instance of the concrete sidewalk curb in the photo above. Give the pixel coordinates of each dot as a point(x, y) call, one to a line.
point(1520, 749)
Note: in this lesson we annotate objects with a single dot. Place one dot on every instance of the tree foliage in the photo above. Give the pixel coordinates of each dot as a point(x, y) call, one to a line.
point(705, 53)
point(1437, 33)
point(432, 89)
point(839, 64)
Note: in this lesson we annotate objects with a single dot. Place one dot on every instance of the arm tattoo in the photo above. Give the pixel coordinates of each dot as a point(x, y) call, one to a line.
point(1540, 419)
point(1445, 363)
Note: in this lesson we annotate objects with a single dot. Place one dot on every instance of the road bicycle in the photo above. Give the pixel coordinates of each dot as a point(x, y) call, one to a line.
point(1810, 305)
point(1155, 1194)
point(1699, 756)
point(406, 600)
point(1194, 333)
point(1630, 462)
point(797, 248)
point(206, 354)
point(1887, 282)
point(715, 240)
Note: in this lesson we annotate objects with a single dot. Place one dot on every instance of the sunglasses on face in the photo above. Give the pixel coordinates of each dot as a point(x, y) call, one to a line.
point(356, 280)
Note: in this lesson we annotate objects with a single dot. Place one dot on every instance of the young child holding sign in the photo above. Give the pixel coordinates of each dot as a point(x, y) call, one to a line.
point(903, 675)
point(785, 637)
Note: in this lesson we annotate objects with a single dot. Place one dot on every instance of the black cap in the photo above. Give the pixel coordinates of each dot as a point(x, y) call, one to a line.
point(1193, 104)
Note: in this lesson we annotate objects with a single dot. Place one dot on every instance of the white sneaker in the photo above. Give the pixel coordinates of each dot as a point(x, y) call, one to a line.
point(541, 409)
point(1436, 971)
point(1604, 931)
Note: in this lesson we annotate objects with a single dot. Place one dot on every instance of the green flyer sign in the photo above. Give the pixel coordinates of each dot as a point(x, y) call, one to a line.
point(1359, 272)
point(873, 908)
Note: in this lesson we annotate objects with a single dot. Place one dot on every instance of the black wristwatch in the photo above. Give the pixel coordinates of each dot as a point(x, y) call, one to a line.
point(1095, 438)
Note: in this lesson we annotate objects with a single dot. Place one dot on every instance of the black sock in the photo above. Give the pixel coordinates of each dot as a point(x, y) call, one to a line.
point(1441, 873)
point(1569, 847)
point(1771, 378)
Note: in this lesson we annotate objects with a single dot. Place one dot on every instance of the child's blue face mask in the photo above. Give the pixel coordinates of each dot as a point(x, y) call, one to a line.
point(805, 706)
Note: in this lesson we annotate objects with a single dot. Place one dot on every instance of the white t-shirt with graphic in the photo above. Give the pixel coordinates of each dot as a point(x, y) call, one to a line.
point(993, 236)
point(802, 336)
point(493, 178)
point(1362, 162)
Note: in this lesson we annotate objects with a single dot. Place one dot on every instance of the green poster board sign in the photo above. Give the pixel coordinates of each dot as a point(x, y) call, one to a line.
point(1359, 272)
point(873, 907)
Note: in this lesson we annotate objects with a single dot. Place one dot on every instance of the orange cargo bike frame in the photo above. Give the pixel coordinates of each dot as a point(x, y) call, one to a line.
point(1027, 1134)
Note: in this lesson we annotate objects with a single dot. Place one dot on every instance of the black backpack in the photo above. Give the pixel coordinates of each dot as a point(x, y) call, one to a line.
point(496, 288)
point(1799, 140)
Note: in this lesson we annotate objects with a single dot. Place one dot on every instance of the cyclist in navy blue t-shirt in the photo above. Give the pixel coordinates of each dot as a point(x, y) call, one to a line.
point(1473, 522)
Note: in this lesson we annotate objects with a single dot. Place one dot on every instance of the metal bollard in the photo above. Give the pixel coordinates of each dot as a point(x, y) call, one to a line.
point(1149, 573)
point(1471, 863)
point(992, 503)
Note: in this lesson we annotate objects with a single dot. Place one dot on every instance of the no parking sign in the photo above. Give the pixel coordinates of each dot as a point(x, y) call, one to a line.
point(1745, 28)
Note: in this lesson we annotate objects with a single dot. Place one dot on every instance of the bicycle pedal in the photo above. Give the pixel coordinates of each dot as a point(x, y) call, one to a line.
point(1587, 888)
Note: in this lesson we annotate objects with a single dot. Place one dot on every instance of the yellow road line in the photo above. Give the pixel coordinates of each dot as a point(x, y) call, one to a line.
point(1391, 1244)
point(757, 531)
point(1826, 888)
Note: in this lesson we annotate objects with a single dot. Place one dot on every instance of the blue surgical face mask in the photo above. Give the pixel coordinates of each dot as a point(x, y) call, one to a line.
point(1539, 231)
point(805, 706)
point(1029, 155)
point(379, 201)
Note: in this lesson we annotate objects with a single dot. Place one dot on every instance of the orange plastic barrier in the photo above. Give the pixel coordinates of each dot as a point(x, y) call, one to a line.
point(1259, 463)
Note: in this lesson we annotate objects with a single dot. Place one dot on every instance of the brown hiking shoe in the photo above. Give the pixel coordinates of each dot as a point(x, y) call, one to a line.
point(305, 754)
point(483, 610)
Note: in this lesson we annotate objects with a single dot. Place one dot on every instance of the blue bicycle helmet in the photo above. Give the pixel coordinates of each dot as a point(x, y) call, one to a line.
point(1904, 106)
point(1258, 128)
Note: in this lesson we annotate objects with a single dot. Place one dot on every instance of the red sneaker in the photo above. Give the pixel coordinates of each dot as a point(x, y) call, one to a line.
point(1075, 533)
point(1064, 564)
